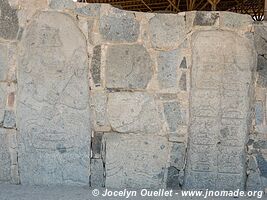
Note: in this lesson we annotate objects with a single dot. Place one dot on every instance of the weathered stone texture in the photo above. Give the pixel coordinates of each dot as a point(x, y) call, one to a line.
point(128, 66)
point(168, 62)
point(96, 65)
point(135, 161)
point(219, 110)
point(206, 18)
point(3, 61)
point(133, 113)
point(61, 4)
point(119, 26)
point(9, 119)
point(9, 24)
point(167, 31)
point(5, 161)
point(99, 108)
point(53, 114)
point(8, 157)
point(91, 10)
point(97, 173)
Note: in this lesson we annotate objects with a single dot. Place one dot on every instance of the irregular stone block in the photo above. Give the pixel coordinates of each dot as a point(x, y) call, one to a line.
point(135, 161)
point(262, 163)
point(53, 111)
point(168, 63)
point(218, 127)
point(3, 62)
point(8, 21)
point(254, 182)
point(91, 10)
point(128, 66)
point(259, 113)
point(99, 107)
point(177, 155)
point(182, 82)
point(97, 173)
point(96, 65)
point(2, 102)
point(206, 18)
point(262, 71)
point(167, 31)
point(9, 119)
point(235, 21)
point(97, 145)
point(133, 113)
point(175, 115)
point(260, 39)
point(5, 161)
point(61, 4)
point(119, 26)
point(173, 179)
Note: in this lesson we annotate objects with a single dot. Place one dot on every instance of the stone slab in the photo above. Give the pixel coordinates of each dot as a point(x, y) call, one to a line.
point(167, 31)
point(119, 26)
point(128, 67)
point(135, 161)
point(53, 109)
point(133, 113)
point(5, 157)
point(220, 106)
point(9, 22)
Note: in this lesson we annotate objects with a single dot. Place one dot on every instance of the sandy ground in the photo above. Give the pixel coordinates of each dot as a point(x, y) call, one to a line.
point(18, 192)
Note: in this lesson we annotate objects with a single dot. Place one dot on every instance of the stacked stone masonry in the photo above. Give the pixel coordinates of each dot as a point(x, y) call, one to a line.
point(94, 95)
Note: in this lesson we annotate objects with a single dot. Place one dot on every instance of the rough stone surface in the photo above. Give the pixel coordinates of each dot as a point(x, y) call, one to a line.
point(261, 39)
point(133, 113)
point(168, 62)
point(97, 145)
point(62, 4)
point(206, 18)
point(5, 158)
point(262, 71)
point(3, 62)
point(99, 107)
point(91, 10)
point(173, 178)
point(96, 65)
point(97, 173)
point(147, 156)
point(167, 31)
point(9, 119)
point(259, 113)
point(119, 26)
point(177, 155)
point(219, 110)
point(182, 82)
point(128, 66)
point(235, 21)
point(254, 182)
point(175, 115)
point(9, 24)
point(262, 163)
point(53, 114)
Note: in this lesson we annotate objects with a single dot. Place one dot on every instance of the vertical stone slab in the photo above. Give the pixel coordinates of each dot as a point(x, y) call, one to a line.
point(221, 80)
point(53, 108)
point(135, 160)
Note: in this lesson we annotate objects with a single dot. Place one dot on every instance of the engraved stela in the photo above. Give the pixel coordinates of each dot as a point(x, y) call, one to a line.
point(53, 117)
point(219, 110)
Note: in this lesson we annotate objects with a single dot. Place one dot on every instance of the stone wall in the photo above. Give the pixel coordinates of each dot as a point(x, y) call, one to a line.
point(94, 95)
